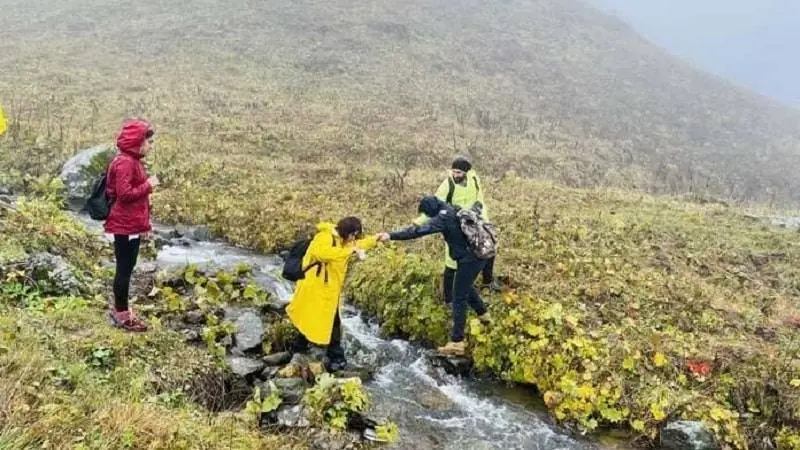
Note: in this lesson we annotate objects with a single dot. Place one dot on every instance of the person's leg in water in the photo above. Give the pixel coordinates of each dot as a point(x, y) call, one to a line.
point(488, 276)
point(465, 296)
point(126, 253)
point(448, 278)
point(335, 352)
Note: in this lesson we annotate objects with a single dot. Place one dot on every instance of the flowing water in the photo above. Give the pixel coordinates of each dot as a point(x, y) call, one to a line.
point(432, 409)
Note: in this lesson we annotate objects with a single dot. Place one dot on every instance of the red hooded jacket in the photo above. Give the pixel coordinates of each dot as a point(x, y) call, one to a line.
point(127, 185)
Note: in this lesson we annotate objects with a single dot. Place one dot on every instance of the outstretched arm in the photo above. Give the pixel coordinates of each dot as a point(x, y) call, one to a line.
point(434, 225)
point(322, 249)
point(368, 243)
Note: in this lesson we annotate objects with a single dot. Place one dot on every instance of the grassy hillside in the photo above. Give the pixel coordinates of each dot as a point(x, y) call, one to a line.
point(272, 116)
point(547, 88)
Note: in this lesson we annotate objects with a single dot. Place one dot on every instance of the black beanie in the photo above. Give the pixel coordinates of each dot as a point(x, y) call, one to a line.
point(462, 164)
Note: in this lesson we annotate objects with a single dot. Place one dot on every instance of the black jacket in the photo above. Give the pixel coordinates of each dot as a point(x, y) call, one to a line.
point(443, 220)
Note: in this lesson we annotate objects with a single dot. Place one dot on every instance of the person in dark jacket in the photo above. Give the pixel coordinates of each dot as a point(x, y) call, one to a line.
point(443, 219)
point(128, 188)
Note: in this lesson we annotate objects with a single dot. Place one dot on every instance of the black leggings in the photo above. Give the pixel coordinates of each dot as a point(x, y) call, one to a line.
point(126, 252)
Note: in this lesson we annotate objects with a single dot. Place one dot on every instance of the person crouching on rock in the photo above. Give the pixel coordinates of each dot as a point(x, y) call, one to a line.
point(314, 308)
point(128, 189)
point(443, 219)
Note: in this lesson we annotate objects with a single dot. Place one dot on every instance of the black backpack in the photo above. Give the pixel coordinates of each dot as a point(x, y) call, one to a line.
point(293, 269)
point(98, 204)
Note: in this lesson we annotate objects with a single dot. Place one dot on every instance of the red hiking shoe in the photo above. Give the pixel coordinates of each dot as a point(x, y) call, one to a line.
point(127, 321)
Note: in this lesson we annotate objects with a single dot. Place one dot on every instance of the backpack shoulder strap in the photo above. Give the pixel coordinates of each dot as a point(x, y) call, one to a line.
point(477, 185)
point(451, 191)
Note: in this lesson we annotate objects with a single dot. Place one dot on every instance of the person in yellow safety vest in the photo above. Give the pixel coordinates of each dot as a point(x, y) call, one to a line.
point(462, 189)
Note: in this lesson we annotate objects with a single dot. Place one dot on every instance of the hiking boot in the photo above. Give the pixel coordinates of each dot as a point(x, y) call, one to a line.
point(453, 349)
point(494, 286)
point(127, 321)
point(336, 366)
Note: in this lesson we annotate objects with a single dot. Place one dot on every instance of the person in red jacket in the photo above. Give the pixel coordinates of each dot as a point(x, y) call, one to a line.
point(128, 189)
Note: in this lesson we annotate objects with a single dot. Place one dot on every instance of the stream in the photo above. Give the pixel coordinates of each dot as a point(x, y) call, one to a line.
point(432, 409)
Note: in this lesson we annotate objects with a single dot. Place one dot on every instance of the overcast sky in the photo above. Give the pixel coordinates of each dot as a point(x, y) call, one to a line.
point(753, 42)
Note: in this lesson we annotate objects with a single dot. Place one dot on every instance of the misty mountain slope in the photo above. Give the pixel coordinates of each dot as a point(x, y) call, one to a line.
point(549, 88)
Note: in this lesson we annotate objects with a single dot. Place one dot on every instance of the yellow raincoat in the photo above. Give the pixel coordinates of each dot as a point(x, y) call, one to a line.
point(464, 196)
point(3, 123)
point(315, 302)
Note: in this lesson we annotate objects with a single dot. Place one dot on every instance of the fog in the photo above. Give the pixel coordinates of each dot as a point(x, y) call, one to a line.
point(752, 42)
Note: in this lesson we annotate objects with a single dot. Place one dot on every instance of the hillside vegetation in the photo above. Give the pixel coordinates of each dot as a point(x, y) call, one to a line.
point(626, 308)
point(547, 88)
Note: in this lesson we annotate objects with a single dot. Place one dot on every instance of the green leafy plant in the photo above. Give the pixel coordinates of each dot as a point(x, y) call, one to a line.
point(332, 399)
point(258, 406)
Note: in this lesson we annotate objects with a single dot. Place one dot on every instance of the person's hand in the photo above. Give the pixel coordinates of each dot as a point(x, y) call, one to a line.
point(383, 237)
point(153, 181)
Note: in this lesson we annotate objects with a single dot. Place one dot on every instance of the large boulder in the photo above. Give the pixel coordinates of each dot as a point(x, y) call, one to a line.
point(249, 332)
point(79, 172)
point(687, 435)
point(53, 273)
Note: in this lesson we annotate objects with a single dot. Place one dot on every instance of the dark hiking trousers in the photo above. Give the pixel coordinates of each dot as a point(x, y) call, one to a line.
point(488, 271)
point(465, 296)
point(334, 351)
point(126, 252)
point(449, 278)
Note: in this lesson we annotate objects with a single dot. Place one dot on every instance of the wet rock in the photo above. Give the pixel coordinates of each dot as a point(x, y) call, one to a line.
point(180, 242)
point(226, 341)
point(78, 172)
point(296, 416)
point(325, 440)
point(362, 374)
point(54, 271)
point(194, 317)
point(434, 400)
point(291, 389)
point(277, 359)
point(8, 200)
point(459, 366)
point(191, 335)
point(199, 233)
point(249, 332)
point(5, 191)
point(365, 425)
point(244, 367)
point(147, 267)
point(269, 373)
point(686, 435)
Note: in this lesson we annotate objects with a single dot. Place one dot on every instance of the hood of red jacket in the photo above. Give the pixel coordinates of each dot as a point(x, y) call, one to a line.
point(132, 136)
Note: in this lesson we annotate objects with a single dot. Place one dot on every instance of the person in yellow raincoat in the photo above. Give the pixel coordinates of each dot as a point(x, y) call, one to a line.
point(3, 123)
point(463, 189)
point(314, 308)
